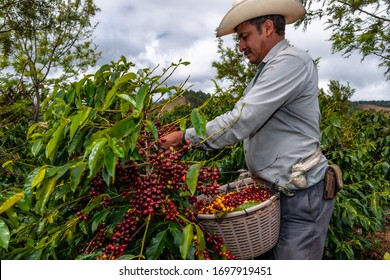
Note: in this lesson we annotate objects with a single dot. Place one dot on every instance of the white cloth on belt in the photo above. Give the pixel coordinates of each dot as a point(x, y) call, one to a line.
point(298, 178)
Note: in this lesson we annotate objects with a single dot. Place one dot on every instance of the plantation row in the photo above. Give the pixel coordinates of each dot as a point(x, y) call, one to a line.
point(92, 182)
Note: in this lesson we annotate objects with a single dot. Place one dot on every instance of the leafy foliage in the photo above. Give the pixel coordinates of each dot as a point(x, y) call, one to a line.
point(104, 190)
point(41, 38)
point(357, 25)
point(360, 144)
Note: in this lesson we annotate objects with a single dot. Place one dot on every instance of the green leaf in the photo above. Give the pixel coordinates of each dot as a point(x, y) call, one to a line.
point(111, 94)
point(84, 114)
point(246, 205)
point(41, 227)
point(150, 127)
point(74, 126)
point(114, 76)
point(199, 123)
point(201, 241)
point(101, 70)
point(79, 120)
point(69, 233)
point(106, 176)
point(96, 202)
point(118, 150)
point(94, 156)
point(385, 167)
point(61, 170)
point(30, 178)
point(53, 143)
point(5, 164)
point(176, 233)
point(26, 201)
point(11, 201)
point(122, 128)
point(109, 98)
point(126, 77)
point(127, 257)
point(13, 217)
point(32, 128)
point(36, 146)
point(127, 98)
point(133, 138)
point(100, 217)
point(110, 160)
point(79, 85)
point(141, 97)
point(75, 142)
point(192, 177)
point(4, 235)
point(44, 193)
point(76, 174)
point(186, 240)
point(157, 245)
point(83, 227)
point(183, 125)
point(136, 114)
point(124, 107)
point(39, 176)
point(36, 254)
point(99, 96)
point(62, 191)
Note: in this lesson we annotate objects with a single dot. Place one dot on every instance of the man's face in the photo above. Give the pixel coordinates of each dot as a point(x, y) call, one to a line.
point(252, 42)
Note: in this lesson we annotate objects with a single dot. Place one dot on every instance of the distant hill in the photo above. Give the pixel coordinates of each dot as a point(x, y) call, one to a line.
point(190, 97)
point(181, 101)
point(374, 105)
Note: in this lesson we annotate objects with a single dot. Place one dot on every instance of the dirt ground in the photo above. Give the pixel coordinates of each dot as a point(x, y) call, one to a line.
point(384, 241)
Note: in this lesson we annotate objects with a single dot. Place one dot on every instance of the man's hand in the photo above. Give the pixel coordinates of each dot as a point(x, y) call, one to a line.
point(174, 140)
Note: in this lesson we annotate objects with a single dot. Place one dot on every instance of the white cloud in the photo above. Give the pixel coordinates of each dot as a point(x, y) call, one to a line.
point(156, 32)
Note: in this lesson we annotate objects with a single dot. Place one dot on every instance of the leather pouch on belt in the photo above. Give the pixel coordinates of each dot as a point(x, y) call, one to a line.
point(333, 181)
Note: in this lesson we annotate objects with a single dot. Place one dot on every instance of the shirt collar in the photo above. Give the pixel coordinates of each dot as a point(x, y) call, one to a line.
point(281, 45)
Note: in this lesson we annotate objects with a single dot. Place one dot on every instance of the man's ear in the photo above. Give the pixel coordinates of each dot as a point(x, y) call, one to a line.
point(268, 27)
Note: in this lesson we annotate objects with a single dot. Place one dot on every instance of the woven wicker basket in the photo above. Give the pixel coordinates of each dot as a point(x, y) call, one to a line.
point(248, 233)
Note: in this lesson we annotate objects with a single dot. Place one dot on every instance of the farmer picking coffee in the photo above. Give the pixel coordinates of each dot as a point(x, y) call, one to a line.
point(278, 119)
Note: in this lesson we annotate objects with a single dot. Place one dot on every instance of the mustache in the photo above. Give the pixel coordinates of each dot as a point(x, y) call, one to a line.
point(246, 51)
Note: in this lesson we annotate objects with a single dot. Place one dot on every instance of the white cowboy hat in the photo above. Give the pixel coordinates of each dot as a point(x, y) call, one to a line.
point(243, 10)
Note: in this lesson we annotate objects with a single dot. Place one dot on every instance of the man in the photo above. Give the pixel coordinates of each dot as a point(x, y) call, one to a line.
point(278, 119)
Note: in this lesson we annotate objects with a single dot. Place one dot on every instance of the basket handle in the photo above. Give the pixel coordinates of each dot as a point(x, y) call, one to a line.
point(244, 174)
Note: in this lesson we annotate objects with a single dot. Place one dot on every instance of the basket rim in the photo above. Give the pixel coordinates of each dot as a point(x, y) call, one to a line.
point(245, 212)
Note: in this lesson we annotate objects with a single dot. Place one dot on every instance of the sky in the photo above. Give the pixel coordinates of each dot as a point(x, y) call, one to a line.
point(159, 32)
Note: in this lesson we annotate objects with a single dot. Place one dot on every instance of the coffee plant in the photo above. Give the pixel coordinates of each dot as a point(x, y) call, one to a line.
point(359, 143)
point(105, 189)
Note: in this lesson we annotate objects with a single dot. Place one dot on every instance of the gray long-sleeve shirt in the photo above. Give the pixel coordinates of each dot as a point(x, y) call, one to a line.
point(278, 118)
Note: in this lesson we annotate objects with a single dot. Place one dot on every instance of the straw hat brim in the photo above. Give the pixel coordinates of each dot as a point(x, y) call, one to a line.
point(292, 10)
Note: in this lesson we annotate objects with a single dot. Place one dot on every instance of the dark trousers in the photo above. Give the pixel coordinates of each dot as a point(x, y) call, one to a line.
point(304, 224)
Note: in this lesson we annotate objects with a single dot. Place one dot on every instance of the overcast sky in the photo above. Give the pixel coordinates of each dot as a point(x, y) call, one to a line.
point(159, 32)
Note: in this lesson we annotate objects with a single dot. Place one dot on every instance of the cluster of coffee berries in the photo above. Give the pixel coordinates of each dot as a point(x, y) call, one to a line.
point(228, 202)
point(81, 216)
point(149, 193)
point(152, 194)
point(214, 246)
point(208, 181)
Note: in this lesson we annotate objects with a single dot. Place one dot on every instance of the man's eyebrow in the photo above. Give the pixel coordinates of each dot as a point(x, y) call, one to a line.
point(239, 35)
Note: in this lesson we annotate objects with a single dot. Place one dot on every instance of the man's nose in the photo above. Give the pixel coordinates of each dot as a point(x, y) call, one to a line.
point(242, 46)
